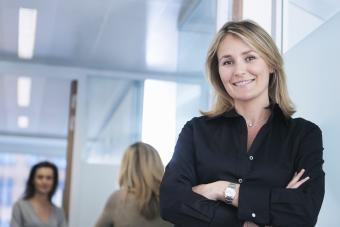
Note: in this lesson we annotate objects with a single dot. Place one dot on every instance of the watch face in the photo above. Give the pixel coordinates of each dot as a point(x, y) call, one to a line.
point(230, 192)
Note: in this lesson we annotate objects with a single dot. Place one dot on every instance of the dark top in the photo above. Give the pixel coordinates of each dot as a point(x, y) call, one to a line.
point(212, 149)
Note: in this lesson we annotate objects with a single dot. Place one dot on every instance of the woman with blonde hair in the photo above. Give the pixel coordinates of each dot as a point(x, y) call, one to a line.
point(247, 161)
point(136, 203)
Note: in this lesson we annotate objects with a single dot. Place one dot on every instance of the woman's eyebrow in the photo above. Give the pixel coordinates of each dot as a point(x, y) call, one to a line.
point(247, 52)
point(243, 53)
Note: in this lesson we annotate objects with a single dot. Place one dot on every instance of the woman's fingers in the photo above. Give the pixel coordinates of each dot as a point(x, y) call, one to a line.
point(299, 183)
point(295, 178)
point(295, 181)
point(249, 224)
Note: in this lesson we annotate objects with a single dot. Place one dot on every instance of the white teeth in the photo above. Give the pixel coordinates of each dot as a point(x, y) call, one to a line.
point(243, 82)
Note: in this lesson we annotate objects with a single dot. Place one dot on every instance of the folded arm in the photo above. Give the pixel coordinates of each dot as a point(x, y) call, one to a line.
point(179, 204)
point(281, 206)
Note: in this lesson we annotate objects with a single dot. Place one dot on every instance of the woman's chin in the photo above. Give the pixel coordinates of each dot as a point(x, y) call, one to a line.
point(43, 192)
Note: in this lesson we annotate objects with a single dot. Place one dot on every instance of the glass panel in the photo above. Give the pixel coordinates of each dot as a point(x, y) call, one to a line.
point(167, 107)
point(301, 17)
point(113, 118)
point(259, 11)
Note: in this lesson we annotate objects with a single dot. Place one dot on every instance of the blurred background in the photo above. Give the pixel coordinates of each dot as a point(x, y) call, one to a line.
point(136, 68)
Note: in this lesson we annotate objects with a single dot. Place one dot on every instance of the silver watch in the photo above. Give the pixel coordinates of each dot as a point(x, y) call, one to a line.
point(230, 193)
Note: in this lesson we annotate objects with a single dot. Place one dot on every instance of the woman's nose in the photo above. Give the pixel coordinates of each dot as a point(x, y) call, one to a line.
point(240, 68)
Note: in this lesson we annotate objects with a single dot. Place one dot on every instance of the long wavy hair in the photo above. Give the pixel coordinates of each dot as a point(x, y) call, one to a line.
point(30, 187)
point(141, 173)
point(256, 37)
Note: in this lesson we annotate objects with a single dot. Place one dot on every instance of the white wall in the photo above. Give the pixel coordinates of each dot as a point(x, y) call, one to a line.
point(312, 67)
point(98, 181)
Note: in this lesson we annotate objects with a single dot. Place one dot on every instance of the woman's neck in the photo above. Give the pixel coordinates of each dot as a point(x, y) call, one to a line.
point(41, 199)
point(253, 112)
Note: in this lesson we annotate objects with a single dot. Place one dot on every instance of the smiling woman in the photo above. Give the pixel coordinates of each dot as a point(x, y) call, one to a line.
point(246, 162)
point(36, 207)
point(244, 74)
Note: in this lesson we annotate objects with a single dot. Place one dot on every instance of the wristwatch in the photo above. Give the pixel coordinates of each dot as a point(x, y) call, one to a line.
point(229, 193)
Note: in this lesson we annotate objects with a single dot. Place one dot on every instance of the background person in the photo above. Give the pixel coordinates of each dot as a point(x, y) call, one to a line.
point(136, 203)
point(36, 209)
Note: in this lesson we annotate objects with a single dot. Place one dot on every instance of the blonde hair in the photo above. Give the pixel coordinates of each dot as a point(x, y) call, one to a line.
point(260, 40)
point(141, 172)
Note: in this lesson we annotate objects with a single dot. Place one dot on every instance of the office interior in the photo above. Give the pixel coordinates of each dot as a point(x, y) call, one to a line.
point(137, 72)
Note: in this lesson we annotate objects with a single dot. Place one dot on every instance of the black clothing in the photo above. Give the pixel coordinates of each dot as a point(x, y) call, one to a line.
point(212, 149)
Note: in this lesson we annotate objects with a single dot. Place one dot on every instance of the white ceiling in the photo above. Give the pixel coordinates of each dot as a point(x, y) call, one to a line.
point(105, 34)
point(140, 36)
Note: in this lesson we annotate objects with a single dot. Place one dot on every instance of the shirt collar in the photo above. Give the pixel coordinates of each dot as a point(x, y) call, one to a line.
point(275, 109)
point(278, 114)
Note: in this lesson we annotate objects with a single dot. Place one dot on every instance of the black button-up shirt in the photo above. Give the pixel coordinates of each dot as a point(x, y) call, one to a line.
point(212, 149)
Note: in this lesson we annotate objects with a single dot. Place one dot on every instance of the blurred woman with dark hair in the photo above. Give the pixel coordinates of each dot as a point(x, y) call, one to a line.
point(36, 207)
point(136, 203)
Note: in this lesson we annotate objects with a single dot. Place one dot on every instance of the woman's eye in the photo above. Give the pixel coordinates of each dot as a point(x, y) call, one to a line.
point(250, 58)
point(228, 62)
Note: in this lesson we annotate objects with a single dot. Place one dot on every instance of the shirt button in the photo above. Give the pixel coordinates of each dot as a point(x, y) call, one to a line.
point(251, 157)
point(240, 180)
point(253, 215)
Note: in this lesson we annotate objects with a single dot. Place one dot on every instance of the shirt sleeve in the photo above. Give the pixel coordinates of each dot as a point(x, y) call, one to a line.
point(105, 219)
point(289, 207)
point(16, 220)
point(178, 203)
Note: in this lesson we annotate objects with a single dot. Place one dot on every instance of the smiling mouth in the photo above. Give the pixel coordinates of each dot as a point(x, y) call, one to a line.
point(243, 82)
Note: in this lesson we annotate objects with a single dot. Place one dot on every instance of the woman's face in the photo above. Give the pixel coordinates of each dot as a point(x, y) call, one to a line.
point(244, 74)
point(43, 180)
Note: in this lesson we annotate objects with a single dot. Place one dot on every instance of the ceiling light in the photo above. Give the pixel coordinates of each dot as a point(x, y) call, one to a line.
point(23, 122)
point(27, 28)
point(24, 91)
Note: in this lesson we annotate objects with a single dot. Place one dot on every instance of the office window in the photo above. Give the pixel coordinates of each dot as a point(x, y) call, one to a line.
point(167, 106)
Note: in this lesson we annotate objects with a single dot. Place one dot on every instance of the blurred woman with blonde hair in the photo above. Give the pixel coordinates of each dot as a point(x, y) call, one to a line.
point(136, 203)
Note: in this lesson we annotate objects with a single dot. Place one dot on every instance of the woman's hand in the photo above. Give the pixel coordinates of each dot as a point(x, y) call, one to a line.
point(294, 183)
point(213, 191)
point(249, 224)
